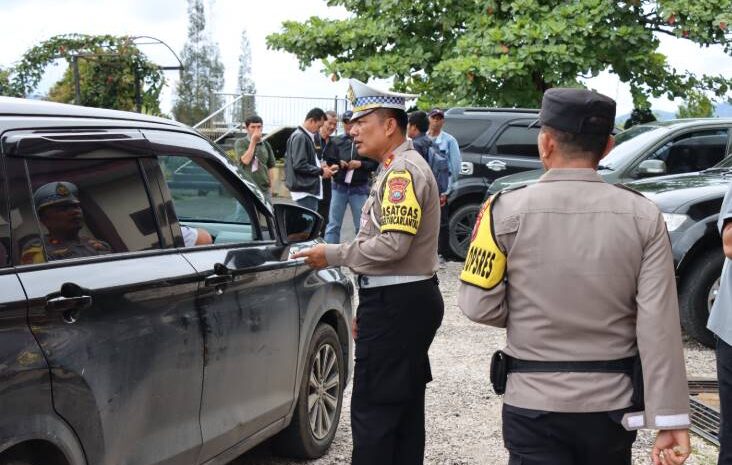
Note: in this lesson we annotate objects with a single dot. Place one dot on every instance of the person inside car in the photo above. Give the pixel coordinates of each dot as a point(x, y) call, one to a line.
point(60, 211)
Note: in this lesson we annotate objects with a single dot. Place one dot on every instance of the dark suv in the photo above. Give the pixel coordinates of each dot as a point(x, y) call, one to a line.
point(122, 341)
point(494, 142)
point(690, 204)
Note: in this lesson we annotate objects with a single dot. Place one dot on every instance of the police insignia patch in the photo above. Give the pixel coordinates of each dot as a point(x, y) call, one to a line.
point(485, 264)
point(62, 190)
point(397, 189)
point(400, 209)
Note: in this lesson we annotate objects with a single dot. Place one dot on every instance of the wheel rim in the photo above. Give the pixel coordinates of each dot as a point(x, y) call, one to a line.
point(323, 391)
point(463, 231)
point(712, 296)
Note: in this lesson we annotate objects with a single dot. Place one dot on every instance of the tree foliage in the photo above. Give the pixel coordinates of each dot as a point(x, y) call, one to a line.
point(110, 66)
point(203, 73)
point(244, 80)
point(697, 105)
point(507, 52)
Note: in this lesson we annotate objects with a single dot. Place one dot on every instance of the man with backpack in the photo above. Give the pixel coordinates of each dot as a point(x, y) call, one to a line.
point(439, 163)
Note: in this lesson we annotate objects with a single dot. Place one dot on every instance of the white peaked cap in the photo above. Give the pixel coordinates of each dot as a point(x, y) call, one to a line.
point(365, 99)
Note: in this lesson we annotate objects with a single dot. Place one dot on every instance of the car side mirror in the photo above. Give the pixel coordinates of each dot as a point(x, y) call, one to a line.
point(296, 224)
point(649, 168)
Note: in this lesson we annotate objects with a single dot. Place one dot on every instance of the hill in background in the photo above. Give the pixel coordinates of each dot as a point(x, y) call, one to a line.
point(722, 110)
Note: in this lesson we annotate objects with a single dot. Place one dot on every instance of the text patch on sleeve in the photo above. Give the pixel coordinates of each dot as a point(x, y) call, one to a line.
point(485, 264)
point(400, 210)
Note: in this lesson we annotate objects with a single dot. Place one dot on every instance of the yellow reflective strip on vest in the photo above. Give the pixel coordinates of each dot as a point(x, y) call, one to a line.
point(400, 210)
point(485, 264)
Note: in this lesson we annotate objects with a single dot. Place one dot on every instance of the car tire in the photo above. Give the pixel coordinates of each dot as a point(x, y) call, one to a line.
point(696, 293)
point(313, 428)
point(460, 228)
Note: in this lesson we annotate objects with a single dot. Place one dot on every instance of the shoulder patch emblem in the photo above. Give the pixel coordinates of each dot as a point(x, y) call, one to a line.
point(400, 209)
point(485, 264)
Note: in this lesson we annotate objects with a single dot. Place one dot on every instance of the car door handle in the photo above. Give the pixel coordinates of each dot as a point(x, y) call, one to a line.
point(496, 165)
point(66, 304)
point(216, 280)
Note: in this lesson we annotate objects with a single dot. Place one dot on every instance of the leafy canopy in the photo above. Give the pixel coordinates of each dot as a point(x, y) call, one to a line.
point(108, 68)
point(507, 52)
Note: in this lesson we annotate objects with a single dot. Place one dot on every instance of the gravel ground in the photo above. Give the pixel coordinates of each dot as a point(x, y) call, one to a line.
point(462, 414)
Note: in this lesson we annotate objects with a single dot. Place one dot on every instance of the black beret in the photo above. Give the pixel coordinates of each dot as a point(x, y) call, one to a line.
point(578, 111)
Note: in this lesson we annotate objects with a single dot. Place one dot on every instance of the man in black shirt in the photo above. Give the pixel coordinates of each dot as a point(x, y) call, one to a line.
point(350, 184)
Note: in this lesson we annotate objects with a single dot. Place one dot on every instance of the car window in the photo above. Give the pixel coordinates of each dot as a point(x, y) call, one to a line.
point(518, 140)
point(629, 150)
point(81, 208)
point(466, 131)
point(204, 201)
point(4, 222)
point(693, 151)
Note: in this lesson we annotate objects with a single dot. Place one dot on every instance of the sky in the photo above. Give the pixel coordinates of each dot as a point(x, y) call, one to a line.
point(28, 22)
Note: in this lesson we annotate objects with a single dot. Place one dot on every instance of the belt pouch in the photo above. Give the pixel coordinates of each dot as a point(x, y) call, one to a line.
point(499, 372)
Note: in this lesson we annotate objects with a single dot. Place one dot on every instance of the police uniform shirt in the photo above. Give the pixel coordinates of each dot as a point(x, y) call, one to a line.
point(577, 269)
point(399, 222)
point(33, 252)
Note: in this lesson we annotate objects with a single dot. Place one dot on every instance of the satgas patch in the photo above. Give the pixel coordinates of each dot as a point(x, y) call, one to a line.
point(400, 210)
point(485, 264)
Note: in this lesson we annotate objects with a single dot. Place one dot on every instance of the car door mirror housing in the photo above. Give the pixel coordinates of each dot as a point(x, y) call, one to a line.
point(649, 168)
point(296, 224)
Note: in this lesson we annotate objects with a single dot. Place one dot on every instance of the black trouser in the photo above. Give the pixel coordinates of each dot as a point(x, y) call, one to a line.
point(549, 438)
point(443, 240)
point(396, 325)
point(724, 375)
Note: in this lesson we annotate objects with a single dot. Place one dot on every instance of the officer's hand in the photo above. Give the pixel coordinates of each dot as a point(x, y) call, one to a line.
point(672, 447)
point(314, 256)
point(354, 328)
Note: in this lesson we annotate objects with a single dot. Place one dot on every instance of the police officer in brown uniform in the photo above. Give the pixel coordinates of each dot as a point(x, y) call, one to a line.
point(400, 305)
point(580, 273)
point(60, 212)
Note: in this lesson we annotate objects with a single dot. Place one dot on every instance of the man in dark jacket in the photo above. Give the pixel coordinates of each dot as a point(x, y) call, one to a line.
point(350, 185)
point(303, 168)
point(417, 129)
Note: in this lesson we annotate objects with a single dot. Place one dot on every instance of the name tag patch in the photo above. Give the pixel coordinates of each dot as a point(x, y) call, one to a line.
point(400, 210)
point(485, 265)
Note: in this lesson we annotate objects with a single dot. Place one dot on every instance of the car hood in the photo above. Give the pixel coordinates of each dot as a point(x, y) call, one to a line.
point(672, 192)
point(524, 178)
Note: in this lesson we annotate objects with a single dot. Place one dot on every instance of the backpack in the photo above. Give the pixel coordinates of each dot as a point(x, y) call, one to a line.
point(440, 167)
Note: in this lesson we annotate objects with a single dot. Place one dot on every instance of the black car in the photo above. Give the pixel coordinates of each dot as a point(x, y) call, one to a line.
point(122, 342)
point(690, 204)
point(494, 142)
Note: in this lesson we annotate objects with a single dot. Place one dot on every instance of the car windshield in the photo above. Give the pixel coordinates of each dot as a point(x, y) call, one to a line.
point(631, 144)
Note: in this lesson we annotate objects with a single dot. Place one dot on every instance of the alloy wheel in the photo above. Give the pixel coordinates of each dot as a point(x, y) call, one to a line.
point(323, 391)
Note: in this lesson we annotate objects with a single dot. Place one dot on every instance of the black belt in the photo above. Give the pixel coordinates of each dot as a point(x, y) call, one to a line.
point(503, 364)
point(623, 365)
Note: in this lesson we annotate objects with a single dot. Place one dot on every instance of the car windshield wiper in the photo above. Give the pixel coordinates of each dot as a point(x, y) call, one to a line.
point(604, 167)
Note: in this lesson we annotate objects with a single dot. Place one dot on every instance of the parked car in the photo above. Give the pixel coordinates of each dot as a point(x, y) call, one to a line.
point(122, 345)
point(493, 142)
point(654, 149)
point(690, 204)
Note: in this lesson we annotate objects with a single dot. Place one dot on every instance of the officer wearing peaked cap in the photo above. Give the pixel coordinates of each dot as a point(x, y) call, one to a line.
point(580, 273)
point(400, 305)
point(59, 210)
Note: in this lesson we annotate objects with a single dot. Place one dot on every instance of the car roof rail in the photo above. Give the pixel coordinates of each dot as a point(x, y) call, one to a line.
point(464, 110)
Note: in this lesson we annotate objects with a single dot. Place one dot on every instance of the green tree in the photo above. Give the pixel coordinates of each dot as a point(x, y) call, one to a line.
point(508, 52)
point(110, 68)
point(244, 79)
point(697, 105)
point(202, 74)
